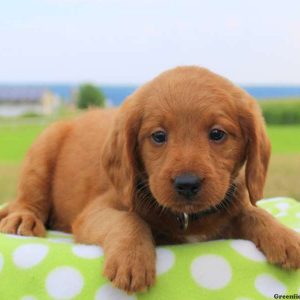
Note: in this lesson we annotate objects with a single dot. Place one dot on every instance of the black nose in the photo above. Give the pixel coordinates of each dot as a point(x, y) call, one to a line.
point(187, 185)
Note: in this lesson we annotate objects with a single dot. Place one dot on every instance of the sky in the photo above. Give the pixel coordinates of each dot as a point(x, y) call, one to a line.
point(131, 41)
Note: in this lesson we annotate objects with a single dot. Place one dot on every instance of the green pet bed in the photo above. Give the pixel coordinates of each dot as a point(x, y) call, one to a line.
point(57, 268)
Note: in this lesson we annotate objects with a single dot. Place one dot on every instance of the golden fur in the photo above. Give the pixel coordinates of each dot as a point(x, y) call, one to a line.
point(101, 176)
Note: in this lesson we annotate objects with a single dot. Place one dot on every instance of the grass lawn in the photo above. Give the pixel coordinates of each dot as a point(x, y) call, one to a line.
point(283, 178)
point(16, 140)
point(285, 139)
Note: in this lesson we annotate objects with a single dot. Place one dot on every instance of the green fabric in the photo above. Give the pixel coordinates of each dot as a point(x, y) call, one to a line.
point(56, 268)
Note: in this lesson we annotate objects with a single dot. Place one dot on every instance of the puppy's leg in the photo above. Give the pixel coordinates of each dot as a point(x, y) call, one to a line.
point(127, 242)
point(280, 244)
point(29, 212)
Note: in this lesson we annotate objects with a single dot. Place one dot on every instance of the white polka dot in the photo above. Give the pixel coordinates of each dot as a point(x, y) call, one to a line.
point(281, 214)
point(211, 271)
point(29, 255)
point(248, 249)
point(28, 298)
point(109, 292)
point(275, 199)
point(59, 233)
point(87, 251)
point(60, 240)
point(1, 262)
point(165, 259)
point(282, 205)
point(22, 237)
point(267, 285)
point(64, 283)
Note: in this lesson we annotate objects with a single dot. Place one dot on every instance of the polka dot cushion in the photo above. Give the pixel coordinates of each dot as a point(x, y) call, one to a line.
point(57, 268)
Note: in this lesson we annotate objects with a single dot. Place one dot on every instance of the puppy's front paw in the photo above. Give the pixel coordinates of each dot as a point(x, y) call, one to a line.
point(24, 223)
point(283, 249)
point(131, 269)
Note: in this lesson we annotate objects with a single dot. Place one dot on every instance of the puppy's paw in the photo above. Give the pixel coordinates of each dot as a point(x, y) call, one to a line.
point(131, 269)
point(283, 250)
point(22, 223)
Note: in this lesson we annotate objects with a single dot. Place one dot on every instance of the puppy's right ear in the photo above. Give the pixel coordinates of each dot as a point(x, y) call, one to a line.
point(258, 148)
point(120, 150)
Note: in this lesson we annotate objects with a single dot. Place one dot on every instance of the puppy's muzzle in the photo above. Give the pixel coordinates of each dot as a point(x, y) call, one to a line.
point(187, 185)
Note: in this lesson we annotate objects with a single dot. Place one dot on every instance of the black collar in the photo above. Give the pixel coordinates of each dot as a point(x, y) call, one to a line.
point(184, 218)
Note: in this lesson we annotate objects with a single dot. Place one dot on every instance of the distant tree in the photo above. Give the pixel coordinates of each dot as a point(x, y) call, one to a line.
point(90, 95)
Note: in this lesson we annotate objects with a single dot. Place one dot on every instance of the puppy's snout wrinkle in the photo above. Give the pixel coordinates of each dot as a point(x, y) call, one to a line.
point(187, 185)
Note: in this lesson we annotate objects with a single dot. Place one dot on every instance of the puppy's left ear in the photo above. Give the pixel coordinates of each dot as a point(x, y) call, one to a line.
point(120, 157)
point(258, 147)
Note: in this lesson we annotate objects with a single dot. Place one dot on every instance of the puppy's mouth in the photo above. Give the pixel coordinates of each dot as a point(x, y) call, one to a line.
point(194, 207)
point(187, 207)
point(223, 204)
point(185, 217)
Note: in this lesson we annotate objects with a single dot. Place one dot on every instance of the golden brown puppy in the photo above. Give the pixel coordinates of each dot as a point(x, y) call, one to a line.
point(166, 167)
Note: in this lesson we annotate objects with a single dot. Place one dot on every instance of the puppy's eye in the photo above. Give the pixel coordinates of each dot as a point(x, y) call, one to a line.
point(159, 137)
point(217, 135)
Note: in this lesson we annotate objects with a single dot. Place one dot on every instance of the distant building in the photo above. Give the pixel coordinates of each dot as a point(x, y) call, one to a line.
point(18, 100)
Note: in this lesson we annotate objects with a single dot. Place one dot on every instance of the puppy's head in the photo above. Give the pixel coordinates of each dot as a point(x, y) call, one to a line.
point(184, 136)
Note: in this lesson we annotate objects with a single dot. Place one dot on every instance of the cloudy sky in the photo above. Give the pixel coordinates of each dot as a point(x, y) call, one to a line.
point(130, 41)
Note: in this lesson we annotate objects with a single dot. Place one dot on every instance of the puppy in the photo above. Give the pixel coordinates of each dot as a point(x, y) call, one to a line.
point(184, 158)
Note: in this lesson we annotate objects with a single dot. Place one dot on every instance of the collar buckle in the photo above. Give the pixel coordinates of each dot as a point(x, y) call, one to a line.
point(183, 220)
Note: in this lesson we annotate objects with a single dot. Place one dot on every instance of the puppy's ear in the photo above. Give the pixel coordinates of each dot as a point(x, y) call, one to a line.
point(258, 148)
point(120, 151)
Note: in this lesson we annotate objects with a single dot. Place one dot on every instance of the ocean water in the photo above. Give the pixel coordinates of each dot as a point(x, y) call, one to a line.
point(265, 92)
point(117, 93)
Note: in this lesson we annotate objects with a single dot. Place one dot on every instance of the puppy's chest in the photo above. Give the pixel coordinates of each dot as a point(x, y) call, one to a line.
point(165, 236)
point(170, 230)
point(195, 238)
point(203, 230)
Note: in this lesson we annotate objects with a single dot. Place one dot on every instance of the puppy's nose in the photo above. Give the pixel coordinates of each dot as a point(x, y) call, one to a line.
point(187, 185)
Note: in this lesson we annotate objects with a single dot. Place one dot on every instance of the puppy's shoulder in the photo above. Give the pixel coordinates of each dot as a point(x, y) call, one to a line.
point(96, 117)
